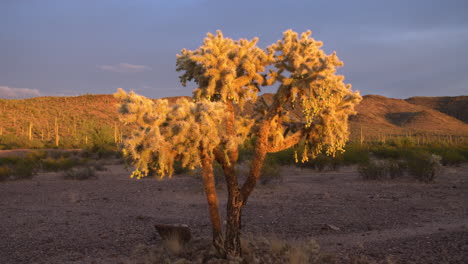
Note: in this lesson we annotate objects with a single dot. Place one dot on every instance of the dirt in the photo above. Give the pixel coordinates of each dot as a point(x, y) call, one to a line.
point(52, 220)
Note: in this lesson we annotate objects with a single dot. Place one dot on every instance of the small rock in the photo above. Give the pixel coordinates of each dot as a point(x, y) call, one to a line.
point(330, 227)
point(178, 231)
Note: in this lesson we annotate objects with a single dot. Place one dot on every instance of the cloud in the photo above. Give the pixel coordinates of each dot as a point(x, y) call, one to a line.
point(419, 36)
point(16, 93)
point(124, 68)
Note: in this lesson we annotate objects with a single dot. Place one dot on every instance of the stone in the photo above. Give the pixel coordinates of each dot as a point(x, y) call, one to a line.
point(180, 232)
point(330, 227)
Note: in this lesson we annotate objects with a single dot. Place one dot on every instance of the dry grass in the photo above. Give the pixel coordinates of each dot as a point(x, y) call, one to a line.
point(255, 250)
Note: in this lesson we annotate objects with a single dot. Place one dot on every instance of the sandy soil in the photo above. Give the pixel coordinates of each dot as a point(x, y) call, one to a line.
point(52, 220)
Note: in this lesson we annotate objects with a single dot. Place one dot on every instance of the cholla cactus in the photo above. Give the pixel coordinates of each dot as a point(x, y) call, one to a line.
point(308, 76)
point(231, 73)
point(224, 69)
point(165, 133)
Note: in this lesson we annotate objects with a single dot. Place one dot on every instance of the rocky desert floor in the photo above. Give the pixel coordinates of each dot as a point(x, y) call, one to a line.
point(52, 220)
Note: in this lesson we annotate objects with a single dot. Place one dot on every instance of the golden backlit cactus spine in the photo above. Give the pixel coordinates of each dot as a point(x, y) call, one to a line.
point(208, 129)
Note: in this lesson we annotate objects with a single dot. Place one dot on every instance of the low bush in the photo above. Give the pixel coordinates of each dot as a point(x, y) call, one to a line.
point(5, 173)
point(24, 169)
point(452, 157)
point(178, 169)
point(283, 158)
point(83, 173)
point(271, 170)
point(11, 160)
point(424, 166)
point(17, 168)
point(254, 250)
point(355, 154)
point(98, 167)
point(395, 168)
point(374, 170)
point(323, 162)
point(50, 164)
point(218, 174)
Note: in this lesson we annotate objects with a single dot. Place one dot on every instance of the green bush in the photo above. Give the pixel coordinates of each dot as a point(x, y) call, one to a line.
point(50, 164)
point(323, 162)
point(355, 154)
point(24, 169)
point(218, 174)
point(178, 169)
point(271, 170)
point(36, 155)
point(17, 168)
point(402, 142)
point(374, 170)
point(395, 168)
point(285, 157)
point(424, 166)
point(5, 173)
point(10, 160)
point(451, 157)
point(387, 151)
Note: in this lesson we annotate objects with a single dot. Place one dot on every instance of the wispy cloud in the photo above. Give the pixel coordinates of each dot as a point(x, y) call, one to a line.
point(124, 68)
point(17, 93)
point(440, 34)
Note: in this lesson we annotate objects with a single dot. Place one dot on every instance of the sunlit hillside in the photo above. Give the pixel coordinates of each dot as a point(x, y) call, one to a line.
point(82, 120)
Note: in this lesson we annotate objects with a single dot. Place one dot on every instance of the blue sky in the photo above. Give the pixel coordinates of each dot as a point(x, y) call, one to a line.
point(397, 48)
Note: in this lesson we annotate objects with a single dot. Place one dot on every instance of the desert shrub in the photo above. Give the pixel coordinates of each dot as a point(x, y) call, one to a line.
point(255, 250)
point(10, 160)
point(17, 168)
point(55, 154)
point(11, 141)
point(50, 164)
point(86, 153)
point(218, 174)
point(23, 169)
point(5, 173)
point(284, 157)
point(424, 166)
point(395, 168)
point(355, 154)
point(98, 167)
point(450, 156)
point(402, 142)
point(373, 170)
point(83, 173)
point(178, 169)
point(387, 151)
point(271, 170)
point(246, 150)
point(36, 155)
point(323, 162)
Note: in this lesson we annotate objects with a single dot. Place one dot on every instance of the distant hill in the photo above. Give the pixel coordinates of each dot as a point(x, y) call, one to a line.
point(80, 118)
point(378, 114)
point(456, 106)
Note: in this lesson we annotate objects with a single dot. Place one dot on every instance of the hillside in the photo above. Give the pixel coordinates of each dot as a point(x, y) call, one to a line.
point(453, 106)
point(77, 119)
point(379, 114)
point(86, 117)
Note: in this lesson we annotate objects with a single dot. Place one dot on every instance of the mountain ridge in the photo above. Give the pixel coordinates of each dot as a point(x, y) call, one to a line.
point(376, 115)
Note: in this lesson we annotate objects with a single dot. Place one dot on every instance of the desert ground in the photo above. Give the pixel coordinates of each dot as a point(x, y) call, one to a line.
point(52, 220)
